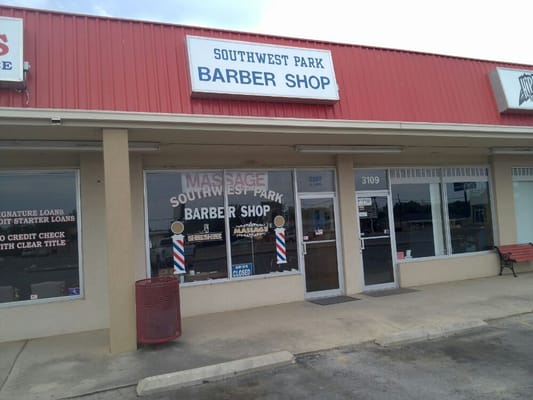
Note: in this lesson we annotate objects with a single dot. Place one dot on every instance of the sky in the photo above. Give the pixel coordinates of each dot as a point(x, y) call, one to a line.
point(484, 29)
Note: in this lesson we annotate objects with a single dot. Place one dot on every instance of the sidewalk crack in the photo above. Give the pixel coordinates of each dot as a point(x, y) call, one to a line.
point(13, 365)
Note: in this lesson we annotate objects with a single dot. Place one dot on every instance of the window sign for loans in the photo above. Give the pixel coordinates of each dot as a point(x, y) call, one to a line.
point(187, 213)
point(39, 255)
point(232, 68)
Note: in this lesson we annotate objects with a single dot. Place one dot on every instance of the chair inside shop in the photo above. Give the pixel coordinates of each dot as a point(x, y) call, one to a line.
point(7, 293)
point(48, 289)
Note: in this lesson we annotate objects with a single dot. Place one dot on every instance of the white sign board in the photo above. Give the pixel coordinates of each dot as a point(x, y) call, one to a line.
point(242, 69)
point(11, 65)
point(513, 89)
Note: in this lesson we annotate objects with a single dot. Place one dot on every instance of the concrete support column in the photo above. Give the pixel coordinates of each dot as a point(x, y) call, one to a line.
point(350, 243)
point(122, 329)
point(502, 190)
point(94, 241)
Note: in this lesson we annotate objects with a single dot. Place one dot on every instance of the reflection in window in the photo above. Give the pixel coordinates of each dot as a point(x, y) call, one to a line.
point(373, 216)
point(424, 227)
point(256, 201)
point(318, 219)
point(523, 193)
point(38, 235)
point(310, 180)
point(199, 206)
point(469, 216)
point(417, 219)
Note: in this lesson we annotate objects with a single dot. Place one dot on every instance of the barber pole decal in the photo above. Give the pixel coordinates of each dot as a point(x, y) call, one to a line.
point(178, 247)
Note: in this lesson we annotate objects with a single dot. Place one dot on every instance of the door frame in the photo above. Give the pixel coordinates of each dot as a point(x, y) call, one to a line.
point(383, 286)
point(301, 255)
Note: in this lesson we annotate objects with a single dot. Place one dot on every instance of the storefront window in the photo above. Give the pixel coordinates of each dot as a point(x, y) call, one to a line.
point(39, 255)
point(196, 200)
point(259, 203)
point(439, 211)
point(417, 219)
point(259, 212)
point(469, 216)
point(523, 193)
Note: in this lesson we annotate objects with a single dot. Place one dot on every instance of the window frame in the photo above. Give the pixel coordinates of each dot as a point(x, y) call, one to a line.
point(520, 174)
point(81, 281)
point(442, 178)
point(227, 228)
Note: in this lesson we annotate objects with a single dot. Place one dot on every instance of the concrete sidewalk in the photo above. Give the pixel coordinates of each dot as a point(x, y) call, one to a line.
point(72, 365)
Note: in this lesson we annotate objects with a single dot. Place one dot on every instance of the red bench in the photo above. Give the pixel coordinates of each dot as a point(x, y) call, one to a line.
point(514, 253)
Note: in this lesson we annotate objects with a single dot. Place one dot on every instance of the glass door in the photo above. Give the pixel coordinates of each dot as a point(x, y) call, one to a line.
point(376, 240)
point(319, 244)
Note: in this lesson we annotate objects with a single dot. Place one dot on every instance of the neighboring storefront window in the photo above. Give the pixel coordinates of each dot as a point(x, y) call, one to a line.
point(39, 255)
point(417, 219)
point(439, 211)
point(469, 216)
point(258, 207)
point(523, 193)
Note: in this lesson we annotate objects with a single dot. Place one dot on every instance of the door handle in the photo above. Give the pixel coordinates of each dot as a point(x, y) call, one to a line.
point(304, 245)
point(362, 244)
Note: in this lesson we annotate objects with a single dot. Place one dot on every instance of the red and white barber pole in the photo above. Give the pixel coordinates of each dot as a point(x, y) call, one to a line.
point(178, 252)
point(281, 249)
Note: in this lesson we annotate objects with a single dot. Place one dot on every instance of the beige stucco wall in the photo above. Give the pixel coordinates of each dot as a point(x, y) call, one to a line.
point(348, 237)
point(502, 178)
point(447, 269)
point(241, 294)
point(66, 315)
point(33, 320)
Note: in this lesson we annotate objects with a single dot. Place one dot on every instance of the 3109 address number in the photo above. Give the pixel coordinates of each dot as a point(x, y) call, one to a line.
point(370, 180)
